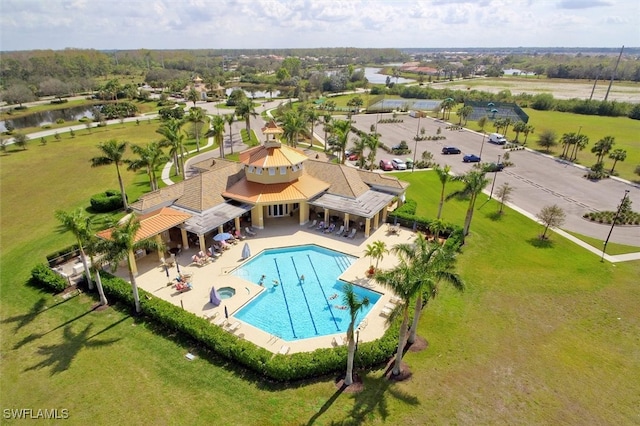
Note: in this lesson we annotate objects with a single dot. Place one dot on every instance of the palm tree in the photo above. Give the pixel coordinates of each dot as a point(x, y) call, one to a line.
point(402, 280)
point(503, 194)
point(444, 176)
point(217, 131)
point(376, 251)
point(341, 129)
point(373, 142)
point(151, 157)
point(197, 117)
point(327, 118)
point(112, 153)
point(529, 129)
point(446, 105)
point(355, 305)
point(80, 226)
point(519, 128)
point(360, 144)
point(474, 183)
point(432, 263)
point(173, 138)
point(581, 143)
point(122, 244)
point(617, 155)
point(602, 147)
point(229, 119)
point(435, 227)
point(312, 116)
point(464, 113)
point(193, 96)
point(246, 110)
point(293, 123)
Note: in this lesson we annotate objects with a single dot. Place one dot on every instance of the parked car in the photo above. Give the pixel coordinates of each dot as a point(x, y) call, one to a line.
point(398, 164)
point(471, 158)
point(386, 165)
point(409, 163)
point(450, 150)
point(494, 167)
point(353, 157)
point(497, 138)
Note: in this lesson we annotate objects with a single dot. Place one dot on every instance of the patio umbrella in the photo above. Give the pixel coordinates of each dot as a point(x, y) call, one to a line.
point(178, 267)
point(226, 313)
point(214, 297)
point(222, 237)
point(166, 270)
point(246, 251)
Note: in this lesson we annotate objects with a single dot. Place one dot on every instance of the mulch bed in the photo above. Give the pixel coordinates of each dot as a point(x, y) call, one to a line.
point(420, 344)
point(355, 387)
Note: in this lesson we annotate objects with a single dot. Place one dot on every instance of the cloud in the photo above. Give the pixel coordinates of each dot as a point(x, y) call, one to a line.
point(583, 4)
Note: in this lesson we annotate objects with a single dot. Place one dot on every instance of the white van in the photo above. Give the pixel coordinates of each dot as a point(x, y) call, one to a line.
point(497, 138)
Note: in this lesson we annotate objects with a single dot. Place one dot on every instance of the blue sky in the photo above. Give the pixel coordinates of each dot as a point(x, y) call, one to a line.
point(181, 24)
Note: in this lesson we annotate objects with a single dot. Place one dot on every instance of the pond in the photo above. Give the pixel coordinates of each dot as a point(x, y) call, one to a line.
point(256, 94)
point(372, 74)
point(39, 119)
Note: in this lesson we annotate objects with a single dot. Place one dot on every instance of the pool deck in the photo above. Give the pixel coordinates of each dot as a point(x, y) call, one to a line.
point(277, 233)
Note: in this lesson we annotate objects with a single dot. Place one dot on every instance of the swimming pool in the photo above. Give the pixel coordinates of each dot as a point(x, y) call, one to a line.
point(302, 293)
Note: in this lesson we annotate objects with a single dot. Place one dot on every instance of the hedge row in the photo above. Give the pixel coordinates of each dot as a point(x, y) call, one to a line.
point(406, 217)
point(277, 367)
point(108, 201)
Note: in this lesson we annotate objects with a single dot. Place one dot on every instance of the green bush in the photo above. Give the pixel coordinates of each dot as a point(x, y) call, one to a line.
point(60, 121)
point(108, 201)
point(297, 366)
point(42, 275)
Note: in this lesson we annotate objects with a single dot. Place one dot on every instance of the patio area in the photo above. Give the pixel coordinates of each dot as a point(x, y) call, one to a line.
point(283, 232)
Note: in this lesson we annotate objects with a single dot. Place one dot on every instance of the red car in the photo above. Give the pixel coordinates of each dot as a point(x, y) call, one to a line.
point(386, 165)
point(353, 157)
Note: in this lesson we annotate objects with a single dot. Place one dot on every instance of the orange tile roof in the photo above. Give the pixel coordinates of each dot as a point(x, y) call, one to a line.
point(303, 188)
point(264, 156)
point(153, 223)
point(272, 129)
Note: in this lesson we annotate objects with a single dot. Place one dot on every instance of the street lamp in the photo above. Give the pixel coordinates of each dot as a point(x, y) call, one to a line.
point(415, 148)
point(495, 175)
point(482, 146)
point(613, 224)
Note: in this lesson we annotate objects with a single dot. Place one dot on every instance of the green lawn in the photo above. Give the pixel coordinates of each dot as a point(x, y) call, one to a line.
point(542, 334)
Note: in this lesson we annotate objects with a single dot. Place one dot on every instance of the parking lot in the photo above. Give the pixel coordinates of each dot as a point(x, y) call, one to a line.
point(538, 180)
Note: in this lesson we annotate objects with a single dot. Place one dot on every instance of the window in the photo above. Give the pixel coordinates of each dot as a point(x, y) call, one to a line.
point(258, 170)
point(272, 171)
point(283, 170)
point(251, 169)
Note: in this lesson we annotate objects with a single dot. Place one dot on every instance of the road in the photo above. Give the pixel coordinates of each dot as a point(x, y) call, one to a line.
point(538, 180)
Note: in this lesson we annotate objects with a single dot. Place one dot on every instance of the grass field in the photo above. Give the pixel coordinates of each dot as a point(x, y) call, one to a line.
point(542, 334)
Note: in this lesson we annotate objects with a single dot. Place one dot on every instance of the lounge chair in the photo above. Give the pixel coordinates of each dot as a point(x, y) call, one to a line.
point(395, 300)
point(313, 224)
point(320, 226)
point(340, 230)
point(220, 322)
point(249, 232)
point(389, 306)
point(352, 234)
point(338, 340)
point(284, 350)
point(180, 286)
point(233, 327)
point(238, 235)
point(385, 312)
point(330, 229)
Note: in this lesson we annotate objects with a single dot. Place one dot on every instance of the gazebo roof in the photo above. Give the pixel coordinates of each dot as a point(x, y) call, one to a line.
point(272, 128)
point(272, 156)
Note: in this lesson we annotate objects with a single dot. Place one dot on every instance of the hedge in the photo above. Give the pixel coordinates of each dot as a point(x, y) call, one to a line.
point(296, 366)
point(405, 216)
point(108, 201)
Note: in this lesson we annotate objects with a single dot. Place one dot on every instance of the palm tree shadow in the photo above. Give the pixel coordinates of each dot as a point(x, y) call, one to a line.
point(25, 319)
point(374, 399)
point(327, 404)
point(60, 356)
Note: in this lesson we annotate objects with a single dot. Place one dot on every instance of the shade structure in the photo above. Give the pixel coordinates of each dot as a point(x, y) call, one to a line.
point(246, 251)
point(222, 236)
point(214, 297)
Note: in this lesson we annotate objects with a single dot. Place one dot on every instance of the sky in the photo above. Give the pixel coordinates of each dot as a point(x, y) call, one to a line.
point(256, 24)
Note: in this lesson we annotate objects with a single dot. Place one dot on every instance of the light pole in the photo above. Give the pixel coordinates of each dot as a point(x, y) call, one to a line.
point(415, 148)
point(482, 146)
point(613, 224)
point(495, 175)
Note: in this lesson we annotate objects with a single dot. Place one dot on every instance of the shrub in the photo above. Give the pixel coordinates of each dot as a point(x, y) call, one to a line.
point(108, 201)
point(43, 276)
point(60, 121)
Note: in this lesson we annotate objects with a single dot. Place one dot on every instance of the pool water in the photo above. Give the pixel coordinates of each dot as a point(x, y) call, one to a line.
point(293, 308)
